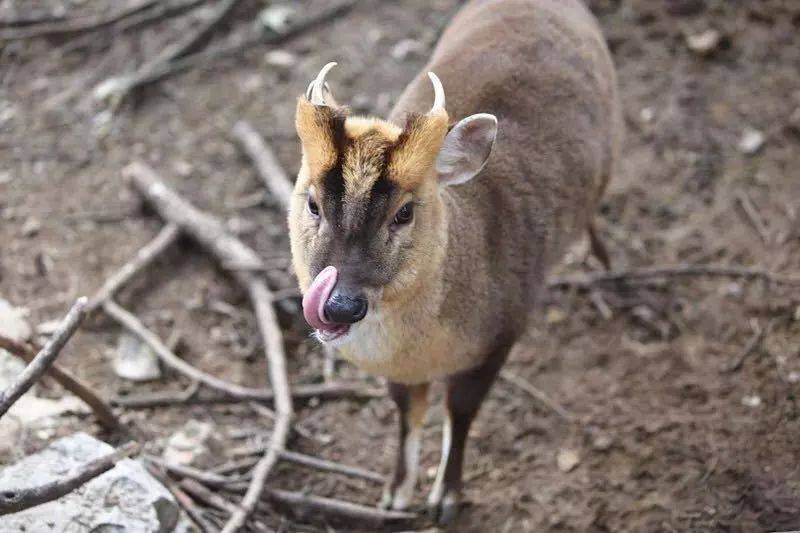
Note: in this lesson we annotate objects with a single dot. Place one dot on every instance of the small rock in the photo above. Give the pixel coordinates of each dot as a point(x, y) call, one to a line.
point(5, 177)
point(751, 401)
point(567, 459)
point(751, 141)
point(703, 43)
point(183, 168)
point(647, 114)
point(555, 315)
point(277, 18)
point(602, 441)
point(191, 443)
point(407, 48)
point(126, 498)
point(135, 360)
point(13, 322)
point(31, 227)
point(793, 377)
point(280, 59)
point(732, 290)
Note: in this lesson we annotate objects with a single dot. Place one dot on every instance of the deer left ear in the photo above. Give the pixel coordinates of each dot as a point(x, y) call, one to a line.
point(466, 149)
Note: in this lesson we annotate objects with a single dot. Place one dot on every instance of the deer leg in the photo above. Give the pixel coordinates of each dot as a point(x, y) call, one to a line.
point(465, 394)
point(412, 404)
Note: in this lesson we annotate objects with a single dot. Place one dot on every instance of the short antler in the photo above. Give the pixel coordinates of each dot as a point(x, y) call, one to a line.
point(317, 88)
point(438, 94)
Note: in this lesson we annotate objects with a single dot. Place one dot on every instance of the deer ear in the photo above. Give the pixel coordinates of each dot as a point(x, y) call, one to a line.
point(466, 149)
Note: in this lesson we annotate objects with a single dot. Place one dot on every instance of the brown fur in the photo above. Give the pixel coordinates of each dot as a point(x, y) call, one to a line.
point(450, 299)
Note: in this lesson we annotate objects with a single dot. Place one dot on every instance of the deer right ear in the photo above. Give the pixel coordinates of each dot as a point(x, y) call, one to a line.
point(466, 149)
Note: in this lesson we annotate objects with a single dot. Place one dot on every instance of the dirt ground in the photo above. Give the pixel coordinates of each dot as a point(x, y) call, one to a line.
point(665, 439)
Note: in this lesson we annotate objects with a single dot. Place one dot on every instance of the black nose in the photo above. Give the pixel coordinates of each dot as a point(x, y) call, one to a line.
point(345, 308)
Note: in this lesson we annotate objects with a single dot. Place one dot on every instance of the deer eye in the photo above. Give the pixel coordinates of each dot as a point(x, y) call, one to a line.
point(404, 215)
point(312, 207)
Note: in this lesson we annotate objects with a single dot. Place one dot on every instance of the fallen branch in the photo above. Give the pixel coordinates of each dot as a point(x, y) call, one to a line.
point(303, 504)
point(322, 391)
point(159, 13)
point(758, 336)
point(209, 479)
point(16, 500)
point(45, 358)
point(537, 394)
point(99, 407)
point(77, 25)
point(586, 281)
point(271, 172)
point(201, 492)
point(210, 233)
point(119, 87)
point(144, 257)
point(183, 499)
point(132, 324)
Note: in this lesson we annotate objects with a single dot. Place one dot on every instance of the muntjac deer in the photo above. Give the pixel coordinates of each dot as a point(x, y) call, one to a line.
point(421, 242)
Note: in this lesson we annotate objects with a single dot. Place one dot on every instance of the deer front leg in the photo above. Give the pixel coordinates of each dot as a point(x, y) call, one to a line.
point(412, 404)
point(465, 394)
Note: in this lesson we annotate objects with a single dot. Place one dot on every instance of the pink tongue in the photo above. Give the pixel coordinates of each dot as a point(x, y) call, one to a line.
point(315, 298)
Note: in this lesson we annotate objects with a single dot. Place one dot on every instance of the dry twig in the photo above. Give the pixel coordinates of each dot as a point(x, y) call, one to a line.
point(45, 358)
point(16, 500)
point(132, 324)
point(227, 249)
point(98, 406)
point(119, 87)
point(537, 394)
point(586, 281)
point(758, 336)
point(144, 257)
point(303, 503)
point(270, 171)
point(183, 499)
point(77, 25)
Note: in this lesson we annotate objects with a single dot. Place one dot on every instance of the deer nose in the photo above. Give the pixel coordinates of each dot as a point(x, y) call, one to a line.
point(345, 308)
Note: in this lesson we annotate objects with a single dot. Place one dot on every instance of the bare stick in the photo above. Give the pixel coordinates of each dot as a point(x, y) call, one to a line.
point(201, 492)
point(322, 391)
point(98, 406)
point(77, 25)
point(758, 335)
point(183, 499)
point(159, 13)
point(271, 172)
point(585, 281)
point(368, 516)
point(192, 40)
point(144, 257)
point(210, 233)
point(331, 466)
point(121, 86)
point(45, 357)
point(16, 500)
point(209, 479)
point(132, 324)
point(753, 216)
point(537, 394)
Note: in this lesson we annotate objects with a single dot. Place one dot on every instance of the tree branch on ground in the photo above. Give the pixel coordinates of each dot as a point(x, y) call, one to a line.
point(45, 358)
point(16, 500)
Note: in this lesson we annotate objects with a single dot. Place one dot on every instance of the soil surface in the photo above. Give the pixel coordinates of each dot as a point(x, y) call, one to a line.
point(663, 438)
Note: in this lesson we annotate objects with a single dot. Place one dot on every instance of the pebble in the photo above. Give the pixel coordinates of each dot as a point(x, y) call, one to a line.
point(407, 48)
point(703, 43)
point(31, 227)
point(751, 141)
point(280, 59)
point(751, 401)
point(567, 459)
point(134, 360)
point(276, 17)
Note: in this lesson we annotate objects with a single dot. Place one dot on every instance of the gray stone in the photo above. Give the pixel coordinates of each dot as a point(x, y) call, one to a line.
point(13, 322)
point(135, 360)
point(124, 499)
point(193, 443)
